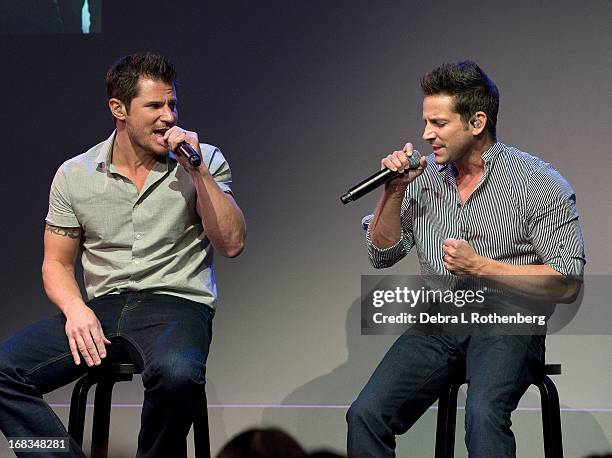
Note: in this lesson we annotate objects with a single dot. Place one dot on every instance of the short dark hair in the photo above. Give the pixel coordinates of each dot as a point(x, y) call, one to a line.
point(471, 89)
point(122, 78)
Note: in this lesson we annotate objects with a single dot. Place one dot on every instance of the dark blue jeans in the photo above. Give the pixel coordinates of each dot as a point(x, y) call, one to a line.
point(165, 336)
point(416, 369)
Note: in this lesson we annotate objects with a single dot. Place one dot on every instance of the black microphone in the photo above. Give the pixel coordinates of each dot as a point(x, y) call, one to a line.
point(192, 155)
point(378, 179)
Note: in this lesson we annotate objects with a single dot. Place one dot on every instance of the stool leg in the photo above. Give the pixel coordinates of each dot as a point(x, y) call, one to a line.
point(201, 436)
point(446, 423)
point(551, 419)
point(78, 403)
point(101, 419)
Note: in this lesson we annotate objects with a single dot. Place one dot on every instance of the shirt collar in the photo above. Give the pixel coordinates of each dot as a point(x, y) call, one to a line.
point(105, 156)
point(106, 152)
point(491, 154)
point(488, 156)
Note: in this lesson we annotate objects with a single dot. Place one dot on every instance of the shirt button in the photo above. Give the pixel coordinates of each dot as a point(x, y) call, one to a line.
point(138, 236)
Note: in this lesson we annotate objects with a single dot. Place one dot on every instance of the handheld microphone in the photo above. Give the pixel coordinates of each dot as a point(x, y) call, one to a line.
point(378, 179)
point(192, 155)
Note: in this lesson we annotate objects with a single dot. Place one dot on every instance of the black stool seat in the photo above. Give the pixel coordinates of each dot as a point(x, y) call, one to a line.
point(105, 377)
point(551, 416)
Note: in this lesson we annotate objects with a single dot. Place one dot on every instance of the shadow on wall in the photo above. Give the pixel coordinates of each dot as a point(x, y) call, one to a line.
point(338, 388)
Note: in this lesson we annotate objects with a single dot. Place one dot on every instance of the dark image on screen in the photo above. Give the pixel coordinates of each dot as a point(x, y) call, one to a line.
point(51, 16)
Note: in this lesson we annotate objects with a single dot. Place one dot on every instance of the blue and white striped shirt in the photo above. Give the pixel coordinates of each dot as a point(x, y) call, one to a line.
point(522, 212)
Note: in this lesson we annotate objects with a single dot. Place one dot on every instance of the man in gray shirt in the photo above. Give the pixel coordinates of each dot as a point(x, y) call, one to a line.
point(147, 222)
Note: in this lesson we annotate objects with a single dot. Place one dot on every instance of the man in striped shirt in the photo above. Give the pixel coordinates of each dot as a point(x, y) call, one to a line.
point(474, 207)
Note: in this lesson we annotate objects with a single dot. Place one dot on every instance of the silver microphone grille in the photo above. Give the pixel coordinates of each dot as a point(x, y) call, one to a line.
point(414, 159)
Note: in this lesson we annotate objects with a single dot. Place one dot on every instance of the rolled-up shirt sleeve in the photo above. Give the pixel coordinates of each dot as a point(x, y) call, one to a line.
point(553, 223)
point(60, 211)
point(381, 258)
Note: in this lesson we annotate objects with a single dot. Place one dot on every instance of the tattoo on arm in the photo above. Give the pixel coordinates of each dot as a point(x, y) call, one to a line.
point(72, 232)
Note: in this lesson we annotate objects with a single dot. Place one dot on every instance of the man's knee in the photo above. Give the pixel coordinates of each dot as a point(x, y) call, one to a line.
point(482, 415)
point(362, 412)
point(176, 375)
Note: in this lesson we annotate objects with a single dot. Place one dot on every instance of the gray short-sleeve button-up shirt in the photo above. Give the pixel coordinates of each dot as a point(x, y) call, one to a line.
point(152, 240)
